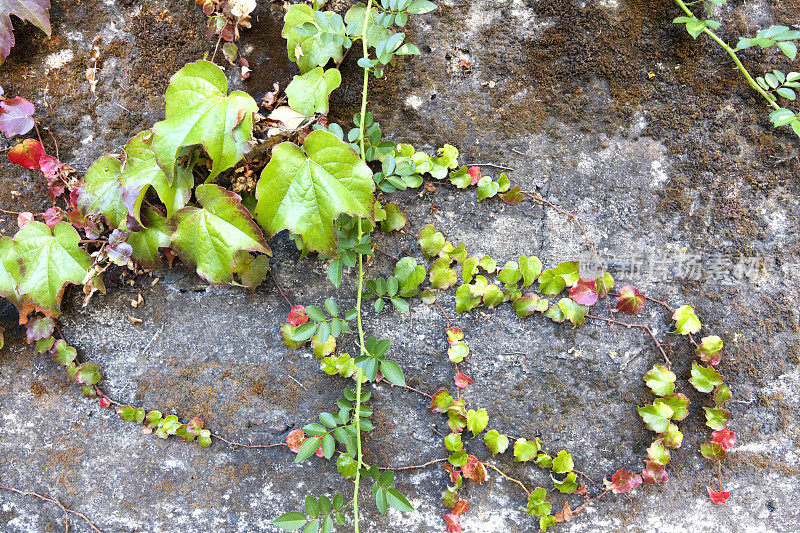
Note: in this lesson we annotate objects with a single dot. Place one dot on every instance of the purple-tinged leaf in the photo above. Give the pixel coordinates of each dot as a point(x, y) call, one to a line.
point(16, 114)
point(34, 11)
point(629, 300)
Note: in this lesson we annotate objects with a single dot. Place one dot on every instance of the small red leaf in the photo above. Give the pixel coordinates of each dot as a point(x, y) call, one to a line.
point(718, 497)
point(623, 481)
point(453, 523)
point(476, 175)
point(584, 291)
point(724, 437)
point(53, 216)
point(474, 470)
point(297, 316)
point(104, 402)
point(454, 335)
point(460, 507)
point(27, 154)
point(295, 439)
point(454, 472)
point(462, 380)
point(654, 473)
point(630, 300)
point(23, 218)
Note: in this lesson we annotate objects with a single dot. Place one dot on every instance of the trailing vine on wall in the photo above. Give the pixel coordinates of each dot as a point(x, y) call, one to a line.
point(164, 195)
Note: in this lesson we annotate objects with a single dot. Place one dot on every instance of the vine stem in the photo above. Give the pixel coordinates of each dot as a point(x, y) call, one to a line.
point(640, 326)
point(67, 511)
point(732, 53)
point(509, 478)
point(359, 373)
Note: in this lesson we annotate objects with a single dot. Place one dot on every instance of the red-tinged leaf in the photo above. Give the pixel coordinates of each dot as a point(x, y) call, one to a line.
point(53, 216)
point(27, 153)
point(441, 401)
point(454, 472)
point(630, 300)
point(717, 497)
point(39, 328)
point(295, 439)
point(104, 402)
point(16, 114)
point(34, 11)
point(49, 166)
point(654, 473)
point(514, 196)
point(460, 507)
point(623, 481)
point(24, 217)
point(297, 316)
point(584, 291)
point(475, 174)
point(454, 335)
point(462, 380)
point(453, 523)
point(474, 470)
point(724, 437)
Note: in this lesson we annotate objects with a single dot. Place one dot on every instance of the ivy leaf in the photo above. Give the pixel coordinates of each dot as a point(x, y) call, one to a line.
point(147, 242)
point(537, 506)
point(305, 190)
point(678, 403)
point(510, 274)
point(39, 328)
point(141, 171)
point(477, 421)
point(252, 271)
point(441, 401)
point(555, 313)
point(33, 11)
point(308, 51)
point(713, 451)
point(672, 437)
point(493, 296)
point(584, 292)
point(568, 271)
point(453, 442)
point(630, 300)
point(718, 498)
point(654, 473)
point(717, 419)
point(550, 283)
point(656, 416)
point(200, 112)
point(709, 350)
point(49, 261)
point(567, 485)
point(430, 241)
point(658, 453)
point(441, 275)
point(604, 283)
point(308, 93)
point(704, 378)
point(721, 395)
point(660, 380)
point(525, 450)
point(487, 188)
point(527, 305)
point(462, 380)
point(686, 322)
point(16, 114)
point(100, 192)
point(474, 470)
point(573, 311)
point(495, 442)
point(563, 463)
point(623, 481)
point(513, 197)
point(724, 437)
point(207, 238)
point(410, 276)
point(530, 267)
point(395, 219)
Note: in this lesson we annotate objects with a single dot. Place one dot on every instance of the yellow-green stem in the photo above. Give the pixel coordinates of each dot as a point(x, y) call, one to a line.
point(732, 53)
point(359, 373)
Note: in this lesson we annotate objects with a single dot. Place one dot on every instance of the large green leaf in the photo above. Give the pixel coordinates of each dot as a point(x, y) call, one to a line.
point(100, 192)
point(207, 238)
point(147, 242)
point(200, 112)
point(304, 191)
point(49, 261)
point(141, 171)
point(313, 52)
point(9, 271)
point(309, 92)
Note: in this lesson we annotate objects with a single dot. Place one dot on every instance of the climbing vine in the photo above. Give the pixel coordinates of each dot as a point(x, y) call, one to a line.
point(165, 195)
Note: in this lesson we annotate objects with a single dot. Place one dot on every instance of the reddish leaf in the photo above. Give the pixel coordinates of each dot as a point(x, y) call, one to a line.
point(104, 402)
point(513, 197)
point(53, 216)
point(23, 218)
point(295, 439)
point(476, 175)
point(474, 470)
point(584, 291)
point(724, 437)
point(623, 481)
point(34, 11)
point(297, 316)
point(27, 154)
point(654, 473)
point(718, 497)
point(630, 300)
point(462, 380)
point(39, 328)
point(460, 507)
point(453, 523)
point(454, 472)
point(441, 401)
point(16, 116)
point(454, 335)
